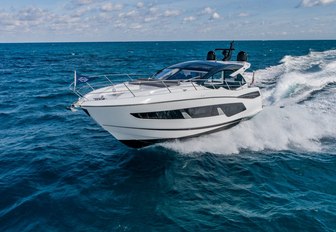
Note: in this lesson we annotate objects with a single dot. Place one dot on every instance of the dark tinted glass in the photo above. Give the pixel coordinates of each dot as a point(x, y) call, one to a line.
point(195, 112)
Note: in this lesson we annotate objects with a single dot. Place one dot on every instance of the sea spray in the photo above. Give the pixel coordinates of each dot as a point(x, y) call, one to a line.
point(275, 128)
point(292, 117)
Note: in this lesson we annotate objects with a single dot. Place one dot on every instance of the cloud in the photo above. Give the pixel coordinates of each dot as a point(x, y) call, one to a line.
point(153, 9)
point(84, 1)
point(27, 19)
point(149, 19)
point(37, 21)
point(311, 3)
point(189, 19)
point(129, 14)
point(214, 15)
point(140, 5)
point(243, 14)
point(135, 26)
point(31, 14)
point(8, 22)
point(121, 20)
point(170, 13)
point(207, 10)
point(81, 11)
point(111, 7)
point(211, 12)
point(81, 2)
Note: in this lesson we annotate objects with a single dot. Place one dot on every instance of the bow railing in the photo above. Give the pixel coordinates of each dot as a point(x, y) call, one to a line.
point(83, 84)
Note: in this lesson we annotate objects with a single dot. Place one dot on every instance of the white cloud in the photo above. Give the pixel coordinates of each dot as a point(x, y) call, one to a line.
point(85, 1)
point(140, 5)
point(82, 2)
point(155, 19)
point(149, 19)
point(135, 26)
point(153, 10)
point(31, 14)
point(110, 7)
point(207, 10)
point(8, 22)
point(170, 13)
point(128, 14)
point(189, 19)
point(81, 11)
point(243, 14)
point(119, 24)
point(214, 15)
point(36, 21)
point(311, 3)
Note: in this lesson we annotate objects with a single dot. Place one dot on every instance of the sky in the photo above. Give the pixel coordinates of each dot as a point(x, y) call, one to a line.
point(165, 20)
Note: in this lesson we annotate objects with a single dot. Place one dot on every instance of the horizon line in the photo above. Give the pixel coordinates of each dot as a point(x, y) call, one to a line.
point(156, 41)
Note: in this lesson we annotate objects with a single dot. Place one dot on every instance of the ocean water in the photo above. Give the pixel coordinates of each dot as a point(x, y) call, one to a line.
point(59, 171)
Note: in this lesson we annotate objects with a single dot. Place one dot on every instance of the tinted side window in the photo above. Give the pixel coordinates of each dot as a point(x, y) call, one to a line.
point(171, 114)
point(194, 112)
point(217, 77)
point(227, 74)
point(232, 109)
point(201, 112)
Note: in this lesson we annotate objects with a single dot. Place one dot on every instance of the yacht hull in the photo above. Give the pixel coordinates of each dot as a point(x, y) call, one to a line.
point(145, 121)
point(144, 143)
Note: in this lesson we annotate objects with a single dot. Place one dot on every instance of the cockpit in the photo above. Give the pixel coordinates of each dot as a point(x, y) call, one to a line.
point(207, 73)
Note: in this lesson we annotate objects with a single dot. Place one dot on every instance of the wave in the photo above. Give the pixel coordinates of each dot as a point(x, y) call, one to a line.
point(299, 98)
point(296, 78)
point(275, 128)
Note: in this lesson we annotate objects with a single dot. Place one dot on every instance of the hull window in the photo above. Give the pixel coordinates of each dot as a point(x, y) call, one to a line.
point(171, 114)
point(251, 95)
point(195, 112)
point(202, 112)
point(232, 109)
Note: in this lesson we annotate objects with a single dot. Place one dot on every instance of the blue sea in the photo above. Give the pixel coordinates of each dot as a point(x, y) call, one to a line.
point(60, 171)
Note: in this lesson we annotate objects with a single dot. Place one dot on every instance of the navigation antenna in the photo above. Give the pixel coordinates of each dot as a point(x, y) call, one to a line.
point(227, 52)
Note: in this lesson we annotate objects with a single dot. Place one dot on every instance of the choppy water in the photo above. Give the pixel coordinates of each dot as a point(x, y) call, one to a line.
point(59, 171)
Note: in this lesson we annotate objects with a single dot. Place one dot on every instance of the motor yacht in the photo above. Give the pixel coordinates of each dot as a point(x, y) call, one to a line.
point(184, 100)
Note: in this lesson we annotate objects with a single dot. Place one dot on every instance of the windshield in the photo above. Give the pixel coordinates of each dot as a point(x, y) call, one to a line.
point(179, 74)
point(165, 73)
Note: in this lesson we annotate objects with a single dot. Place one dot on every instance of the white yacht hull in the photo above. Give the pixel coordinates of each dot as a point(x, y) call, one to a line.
point(122, 118)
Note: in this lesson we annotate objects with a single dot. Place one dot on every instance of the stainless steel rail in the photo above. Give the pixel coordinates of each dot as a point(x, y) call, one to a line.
point(195, 83)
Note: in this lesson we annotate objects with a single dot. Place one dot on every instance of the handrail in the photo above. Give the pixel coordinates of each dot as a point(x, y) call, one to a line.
point(77, 90)
point(166, 83)
point(129, 89)
point(166, 86)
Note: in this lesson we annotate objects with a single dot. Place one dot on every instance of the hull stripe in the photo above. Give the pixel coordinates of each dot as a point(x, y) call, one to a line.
point(176, 129)
point(151, 103)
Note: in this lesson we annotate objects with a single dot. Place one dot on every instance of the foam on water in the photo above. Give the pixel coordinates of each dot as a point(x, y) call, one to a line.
point(296, 78)
point(299, 95)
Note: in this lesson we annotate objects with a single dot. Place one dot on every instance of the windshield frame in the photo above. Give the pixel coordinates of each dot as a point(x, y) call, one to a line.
point(179, 74)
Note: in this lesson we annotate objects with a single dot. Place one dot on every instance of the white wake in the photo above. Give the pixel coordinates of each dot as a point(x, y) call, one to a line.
point(299, 110)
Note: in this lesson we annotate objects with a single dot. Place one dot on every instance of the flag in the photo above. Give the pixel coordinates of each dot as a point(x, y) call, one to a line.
point(83, 79)
point(79, 79)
